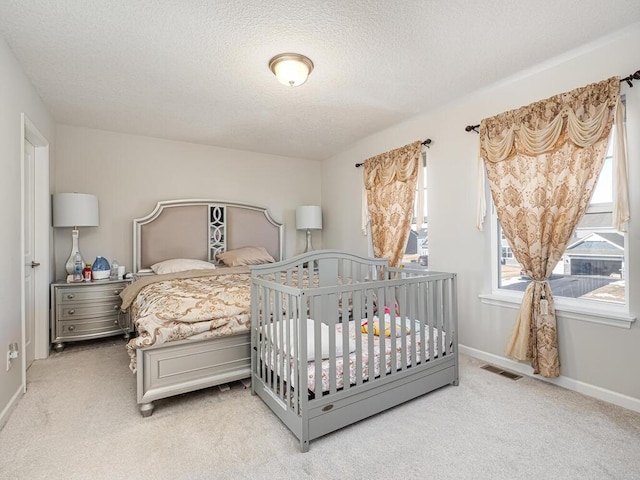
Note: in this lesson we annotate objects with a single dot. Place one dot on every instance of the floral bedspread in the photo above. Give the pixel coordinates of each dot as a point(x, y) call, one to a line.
point(197, 308)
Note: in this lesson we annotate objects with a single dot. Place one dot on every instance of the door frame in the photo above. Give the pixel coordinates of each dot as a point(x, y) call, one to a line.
point(42, 241)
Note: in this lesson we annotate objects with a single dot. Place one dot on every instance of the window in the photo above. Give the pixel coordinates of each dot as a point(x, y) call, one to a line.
point(592, 267)
point(416, 254)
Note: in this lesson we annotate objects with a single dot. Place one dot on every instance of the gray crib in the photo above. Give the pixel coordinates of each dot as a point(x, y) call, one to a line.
point(321, 358)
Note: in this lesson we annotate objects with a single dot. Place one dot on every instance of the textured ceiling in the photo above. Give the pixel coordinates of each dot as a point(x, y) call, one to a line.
point(196, 70)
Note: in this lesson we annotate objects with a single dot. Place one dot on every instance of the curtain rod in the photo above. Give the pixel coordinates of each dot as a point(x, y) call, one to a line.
point(426, 143)
point(629, 79)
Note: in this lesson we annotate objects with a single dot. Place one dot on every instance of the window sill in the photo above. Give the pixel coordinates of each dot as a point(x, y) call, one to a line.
point(612, 315)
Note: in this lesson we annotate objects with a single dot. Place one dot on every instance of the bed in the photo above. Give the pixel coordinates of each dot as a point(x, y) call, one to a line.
point(193, 324)
point(359, 339)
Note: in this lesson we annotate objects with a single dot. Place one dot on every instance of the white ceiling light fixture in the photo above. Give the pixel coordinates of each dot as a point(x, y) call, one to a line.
point(291, 69)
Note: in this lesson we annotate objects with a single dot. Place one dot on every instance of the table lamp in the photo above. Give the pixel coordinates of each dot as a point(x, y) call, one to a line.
point(75, 210)
point(309, 217)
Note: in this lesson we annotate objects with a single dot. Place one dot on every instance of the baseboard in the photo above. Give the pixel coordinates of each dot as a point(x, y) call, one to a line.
point(569, 383)
point(6, 412)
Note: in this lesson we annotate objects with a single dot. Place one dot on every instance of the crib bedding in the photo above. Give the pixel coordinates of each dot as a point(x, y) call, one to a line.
point(194, 305)
point(355, 330)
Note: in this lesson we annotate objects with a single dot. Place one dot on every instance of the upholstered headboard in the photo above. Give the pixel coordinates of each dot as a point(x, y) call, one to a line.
point(201, 229)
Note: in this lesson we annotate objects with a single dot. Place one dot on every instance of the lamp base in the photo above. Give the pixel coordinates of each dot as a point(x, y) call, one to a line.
point(70, 265)
point(309, 247)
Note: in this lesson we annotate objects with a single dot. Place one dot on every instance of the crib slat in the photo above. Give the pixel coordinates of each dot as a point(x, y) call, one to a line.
point(453, 325)
point(382, 360)
point(440, 317)
point(422, 308)
point(371, 363)
point(402, 304)
point(345, 302)
point(358, 315)
point(413, 315)
point(281, 347)
point(330, 310)
point(391, 303)
point(442, 347)
point(263, 336)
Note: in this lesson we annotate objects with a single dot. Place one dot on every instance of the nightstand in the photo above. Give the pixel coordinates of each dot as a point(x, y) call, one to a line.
point(82, 311)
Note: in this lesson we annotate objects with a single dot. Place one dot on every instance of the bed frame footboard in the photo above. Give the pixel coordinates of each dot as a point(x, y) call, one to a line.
point(179, 367)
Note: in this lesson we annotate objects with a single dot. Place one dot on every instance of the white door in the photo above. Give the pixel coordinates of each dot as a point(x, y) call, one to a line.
point(36, 218)
point(29, 246)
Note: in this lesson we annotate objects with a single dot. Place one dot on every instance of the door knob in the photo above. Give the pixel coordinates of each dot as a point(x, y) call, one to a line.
point(35, 264)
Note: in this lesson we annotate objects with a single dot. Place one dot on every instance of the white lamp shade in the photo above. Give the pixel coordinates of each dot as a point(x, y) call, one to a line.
point(75, 210)
point(309, 217)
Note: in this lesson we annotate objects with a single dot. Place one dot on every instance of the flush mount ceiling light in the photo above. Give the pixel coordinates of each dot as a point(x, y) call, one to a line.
point(291, 69)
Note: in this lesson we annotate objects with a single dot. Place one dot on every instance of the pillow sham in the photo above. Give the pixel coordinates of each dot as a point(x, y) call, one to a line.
point(245, 256)
point(180, 265)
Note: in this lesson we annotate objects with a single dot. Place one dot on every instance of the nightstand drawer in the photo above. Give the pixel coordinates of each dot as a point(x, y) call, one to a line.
point(81, 294)
point(94, 326)
point(69, 311)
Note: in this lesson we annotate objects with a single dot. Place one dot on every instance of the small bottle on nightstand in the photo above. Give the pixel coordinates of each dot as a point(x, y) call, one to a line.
point(86, 273)
point(114, 270)
point(77, 268)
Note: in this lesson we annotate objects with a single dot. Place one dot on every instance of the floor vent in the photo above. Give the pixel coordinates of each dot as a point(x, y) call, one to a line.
point(499, 371)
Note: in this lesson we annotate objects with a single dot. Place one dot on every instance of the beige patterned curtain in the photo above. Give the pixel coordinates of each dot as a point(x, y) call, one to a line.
point(390, 183)
point(543, 162)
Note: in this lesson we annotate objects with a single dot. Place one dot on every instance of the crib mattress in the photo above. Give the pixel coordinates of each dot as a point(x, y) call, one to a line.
point(380, 359)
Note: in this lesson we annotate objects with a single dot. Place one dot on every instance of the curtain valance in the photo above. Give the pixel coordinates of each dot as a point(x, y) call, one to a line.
point(398, 165)
point(582, 116)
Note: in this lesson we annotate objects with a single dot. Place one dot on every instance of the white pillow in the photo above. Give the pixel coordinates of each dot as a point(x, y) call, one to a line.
point(180, 265)
point(311, 347)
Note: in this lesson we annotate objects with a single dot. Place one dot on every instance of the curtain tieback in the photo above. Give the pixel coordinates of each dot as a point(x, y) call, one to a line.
point(544, 303)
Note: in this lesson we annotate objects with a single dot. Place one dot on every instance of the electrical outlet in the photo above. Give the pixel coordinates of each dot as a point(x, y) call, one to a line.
point(11, 354)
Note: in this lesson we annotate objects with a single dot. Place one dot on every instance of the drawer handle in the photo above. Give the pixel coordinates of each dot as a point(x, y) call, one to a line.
point(70, 296)
point(71, 312)
point(116, 307)
point(72, 328)
point(117, 292)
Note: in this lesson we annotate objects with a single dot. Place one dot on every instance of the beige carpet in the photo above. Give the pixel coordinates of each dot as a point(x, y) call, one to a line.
point(79, 420)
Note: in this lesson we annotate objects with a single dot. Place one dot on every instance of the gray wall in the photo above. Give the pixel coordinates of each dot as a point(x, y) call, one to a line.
point(130, 173)
point(597, 355)
point(16, 96)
